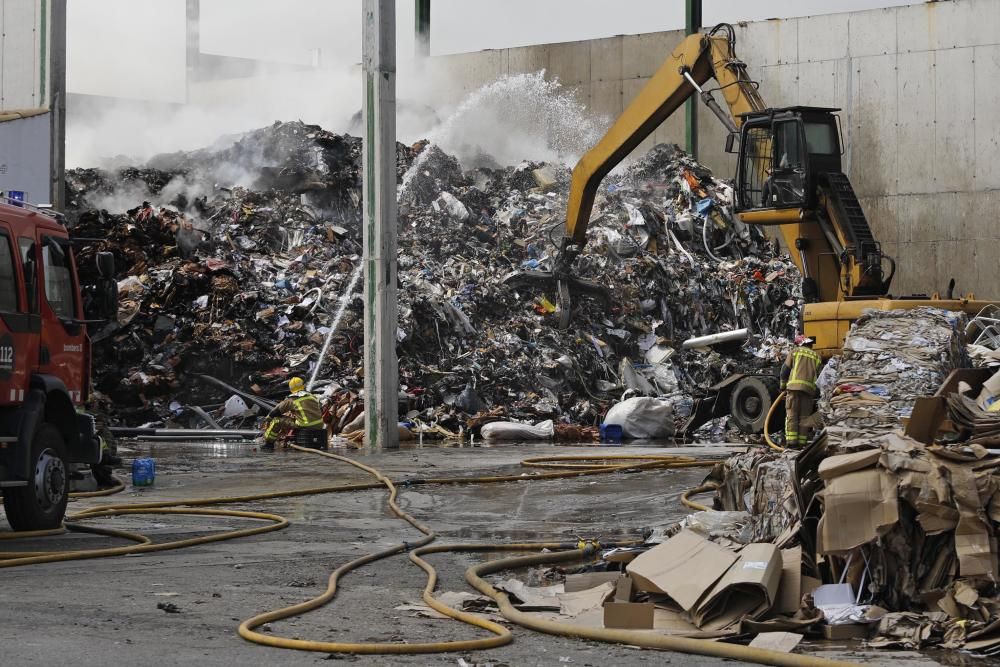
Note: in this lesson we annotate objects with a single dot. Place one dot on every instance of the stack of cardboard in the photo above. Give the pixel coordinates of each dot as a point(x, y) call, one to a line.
point(889, 359)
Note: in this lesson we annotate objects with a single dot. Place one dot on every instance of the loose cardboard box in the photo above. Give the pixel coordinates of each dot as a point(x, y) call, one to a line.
point(581, 582)
point(785, 642)
point(629, 615)
point(790, 591)
point(748, 589)
point(623, 589)
point(857, 508)
point(683, 567)
point(835, 466)
point(928, 415)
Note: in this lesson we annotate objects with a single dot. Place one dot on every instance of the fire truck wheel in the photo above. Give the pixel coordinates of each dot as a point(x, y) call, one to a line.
point(42, 503)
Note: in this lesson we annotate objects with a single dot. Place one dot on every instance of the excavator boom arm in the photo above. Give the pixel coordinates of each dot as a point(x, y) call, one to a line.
point(700, 57)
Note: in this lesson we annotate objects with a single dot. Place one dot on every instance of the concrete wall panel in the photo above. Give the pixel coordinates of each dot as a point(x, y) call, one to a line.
point(570, 63)
point(642, 55)
point(872, 33)
point(824, 83)
point(916, 104)
point(527, 59)
point(24, 157)
point(984, 275)
point(606, 98)
point(19, 80)
point(870, 122)
point(954, 145)
point(779, 84)
point(768, 42)
point(946, 25)
point(823, 37)
point(987, 111)
point(976, 216)
point(606, 59)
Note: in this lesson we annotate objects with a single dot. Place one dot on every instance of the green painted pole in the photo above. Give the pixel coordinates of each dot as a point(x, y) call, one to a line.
point(422, 28)
point(692, 24)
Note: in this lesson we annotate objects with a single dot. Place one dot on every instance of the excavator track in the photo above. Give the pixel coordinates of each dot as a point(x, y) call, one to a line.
point(849, 211)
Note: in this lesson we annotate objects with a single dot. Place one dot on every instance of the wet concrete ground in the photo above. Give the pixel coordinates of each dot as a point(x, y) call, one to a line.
point(104, 611)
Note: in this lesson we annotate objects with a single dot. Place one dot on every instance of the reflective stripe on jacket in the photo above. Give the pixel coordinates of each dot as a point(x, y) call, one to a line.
point(304, 407)
point(804, 364)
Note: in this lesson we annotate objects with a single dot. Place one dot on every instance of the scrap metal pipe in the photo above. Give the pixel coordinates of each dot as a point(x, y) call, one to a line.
point(714, 339)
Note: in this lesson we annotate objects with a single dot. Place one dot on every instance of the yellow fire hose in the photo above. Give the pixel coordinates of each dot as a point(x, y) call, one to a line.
point(712, 486)
point(767, 423)
point(570, 466)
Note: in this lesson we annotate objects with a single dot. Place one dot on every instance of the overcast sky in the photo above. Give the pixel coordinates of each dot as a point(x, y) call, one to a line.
point(135, 48)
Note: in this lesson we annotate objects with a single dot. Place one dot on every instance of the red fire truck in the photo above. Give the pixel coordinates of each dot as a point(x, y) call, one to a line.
point(44, 363)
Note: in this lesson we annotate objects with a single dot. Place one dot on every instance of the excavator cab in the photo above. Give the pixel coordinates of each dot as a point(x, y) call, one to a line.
point(782, 154)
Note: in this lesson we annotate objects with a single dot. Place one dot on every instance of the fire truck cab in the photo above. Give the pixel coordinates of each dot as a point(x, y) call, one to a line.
point(44, 365)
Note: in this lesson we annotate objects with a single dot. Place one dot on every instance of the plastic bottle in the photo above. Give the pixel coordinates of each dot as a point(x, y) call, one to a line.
point(143, 472)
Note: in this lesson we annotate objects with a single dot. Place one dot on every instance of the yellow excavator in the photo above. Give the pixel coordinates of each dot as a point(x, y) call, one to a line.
point(788, 175)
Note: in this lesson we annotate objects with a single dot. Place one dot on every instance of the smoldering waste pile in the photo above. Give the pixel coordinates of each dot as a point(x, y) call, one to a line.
point(232, 262)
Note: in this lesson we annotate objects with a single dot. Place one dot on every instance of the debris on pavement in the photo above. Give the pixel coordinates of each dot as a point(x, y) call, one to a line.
point(866, 534)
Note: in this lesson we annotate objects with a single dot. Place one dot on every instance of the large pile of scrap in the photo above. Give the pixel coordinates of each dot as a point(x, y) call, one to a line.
point(234, 261)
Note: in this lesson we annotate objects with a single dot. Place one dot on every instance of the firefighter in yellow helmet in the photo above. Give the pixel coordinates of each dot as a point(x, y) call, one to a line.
point(798, 379)
point(300, 410)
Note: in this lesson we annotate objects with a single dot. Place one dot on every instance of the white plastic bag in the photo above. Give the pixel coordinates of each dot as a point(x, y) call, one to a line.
point(514, 431)
point(453, 206)
point(643, 417)
point(235, 407)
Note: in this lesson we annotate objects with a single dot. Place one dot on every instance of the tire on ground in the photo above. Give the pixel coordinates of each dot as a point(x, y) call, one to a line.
point(42, 503)
point(749, 402)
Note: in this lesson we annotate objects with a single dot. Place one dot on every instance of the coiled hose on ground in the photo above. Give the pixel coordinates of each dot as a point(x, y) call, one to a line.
point(565, 467)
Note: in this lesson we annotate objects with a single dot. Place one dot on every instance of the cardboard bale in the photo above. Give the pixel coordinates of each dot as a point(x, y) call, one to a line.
point(683, 567)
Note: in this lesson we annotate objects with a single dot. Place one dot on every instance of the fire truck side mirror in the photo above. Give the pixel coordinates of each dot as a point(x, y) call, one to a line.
point(106, 264)
point(106, 301)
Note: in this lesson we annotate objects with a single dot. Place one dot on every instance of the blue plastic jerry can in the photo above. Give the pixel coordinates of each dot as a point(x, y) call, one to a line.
point(143, 472)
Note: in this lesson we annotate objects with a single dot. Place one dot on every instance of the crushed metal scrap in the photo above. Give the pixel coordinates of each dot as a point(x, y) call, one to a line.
point(233, 261)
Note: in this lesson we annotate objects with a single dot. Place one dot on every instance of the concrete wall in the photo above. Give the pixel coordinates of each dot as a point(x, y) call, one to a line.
point(918, 86)
point(25, 160)
point(23, 54)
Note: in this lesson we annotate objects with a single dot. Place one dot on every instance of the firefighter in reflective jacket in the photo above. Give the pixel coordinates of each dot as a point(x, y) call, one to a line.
point(300, 410)
point(798, 379)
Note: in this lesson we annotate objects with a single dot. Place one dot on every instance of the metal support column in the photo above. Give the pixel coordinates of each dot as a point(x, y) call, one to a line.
point(379, 228)
point(57, 104)
point(193, 42)
point(422, 28)
point(692, 24)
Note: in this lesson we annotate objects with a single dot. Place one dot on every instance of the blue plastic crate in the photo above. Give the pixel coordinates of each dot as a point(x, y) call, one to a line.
point(611, 433)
